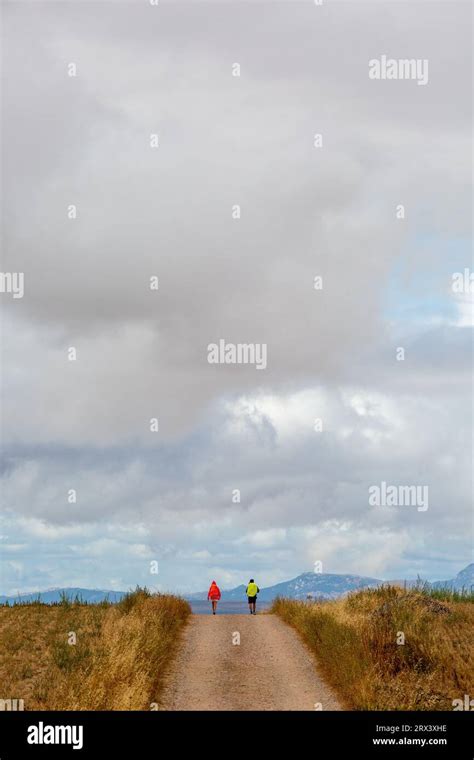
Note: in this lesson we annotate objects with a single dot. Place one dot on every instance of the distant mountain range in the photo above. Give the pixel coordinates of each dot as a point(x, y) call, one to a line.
point(91, 596)
point(325, 585)
point(316, 585)
point(331, 586)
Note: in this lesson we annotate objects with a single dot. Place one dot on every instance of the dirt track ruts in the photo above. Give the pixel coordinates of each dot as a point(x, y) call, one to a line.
point(271, 669)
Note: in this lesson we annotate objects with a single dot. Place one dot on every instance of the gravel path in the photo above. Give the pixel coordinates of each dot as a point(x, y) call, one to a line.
point(271, 669)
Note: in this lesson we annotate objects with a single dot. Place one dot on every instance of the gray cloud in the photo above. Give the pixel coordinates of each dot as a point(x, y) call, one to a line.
point(305, 211)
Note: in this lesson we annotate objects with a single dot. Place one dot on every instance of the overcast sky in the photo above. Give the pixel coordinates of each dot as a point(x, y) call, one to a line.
point(305, 211)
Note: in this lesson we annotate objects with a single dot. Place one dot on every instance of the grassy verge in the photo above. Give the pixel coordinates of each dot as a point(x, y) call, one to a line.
point(358, 644)
point(117, 662)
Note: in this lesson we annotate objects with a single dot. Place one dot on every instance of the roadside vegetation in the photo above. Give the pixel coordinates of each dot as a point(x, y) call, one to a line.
point(77, 656)
point(391, 648)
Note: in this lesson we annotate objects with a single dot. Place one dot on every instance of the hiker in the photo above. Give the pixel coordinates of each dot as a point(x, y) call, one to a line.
point(214, 594)
point(252, 591)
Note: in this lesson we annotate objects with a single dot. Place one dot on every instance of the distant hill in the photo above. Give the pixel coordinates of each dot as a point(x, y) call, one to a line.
point(91, 596)
point(463, 580)
point(322, 585)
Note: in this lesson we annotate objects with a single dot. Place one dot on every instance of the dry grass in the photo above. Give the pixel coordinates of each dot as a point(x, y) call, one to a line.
point(118, 662)
point(355, 642)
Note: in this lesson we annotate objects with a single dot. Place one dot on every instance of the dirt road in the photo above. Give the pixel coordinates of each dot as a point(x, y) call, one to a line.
point(270, 669)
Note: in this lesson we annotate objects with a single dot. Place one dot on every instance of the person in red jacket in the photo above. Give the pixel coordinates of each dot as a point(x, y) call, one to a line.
point(214, 594)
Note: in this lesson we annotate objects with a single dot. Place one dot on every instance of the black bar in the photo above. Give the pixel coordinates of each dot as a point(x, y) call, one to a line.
point(129, 734)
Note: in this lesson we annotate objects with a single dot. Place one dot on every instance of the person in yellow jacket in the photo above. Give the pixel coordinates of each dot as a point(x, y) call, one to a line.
point(252, 591)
